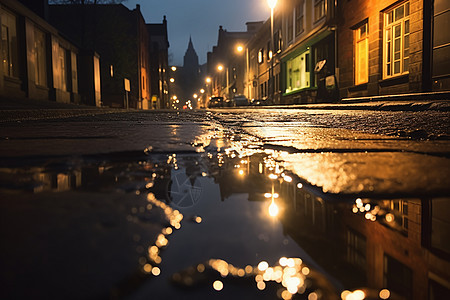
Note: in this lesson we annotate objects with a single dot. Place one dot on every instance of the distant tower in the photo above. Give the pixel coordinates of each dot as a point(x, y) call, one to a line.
point(191, 58)
point(191, 72)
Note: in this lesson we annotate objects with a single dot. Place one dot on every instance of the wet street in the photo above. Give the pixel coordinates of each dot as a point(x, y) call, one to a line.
point(221, 204)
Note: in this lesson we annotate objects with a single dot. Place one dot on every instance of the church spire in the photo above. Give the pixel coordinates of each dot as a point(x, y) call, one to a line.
point(191, 57)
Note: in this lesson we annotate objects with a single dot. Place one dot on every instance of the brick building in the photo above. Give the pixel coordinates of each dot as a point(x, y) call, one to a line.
point(38, 62)
point(120, 36)
point(393, 47)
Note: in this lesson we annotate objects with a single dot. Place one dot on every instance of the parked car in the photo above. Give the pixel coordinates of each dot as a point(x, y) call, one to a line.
point(215, 102)
point(240, 100)
point(260, 102)
point(228, 103)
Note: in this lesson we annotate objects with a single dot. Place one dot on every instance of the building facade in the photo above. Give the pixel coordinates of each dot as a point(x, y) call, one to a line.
point(393, 47)
point(121, 38)
point(325, 50)
point(228, 63)
point(159, 65)
point(37, 62)
point(308, 60)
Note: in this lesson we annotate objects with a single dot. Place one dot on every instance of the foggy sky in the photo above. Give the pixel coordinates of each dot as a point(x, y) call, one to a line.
point(199, 19)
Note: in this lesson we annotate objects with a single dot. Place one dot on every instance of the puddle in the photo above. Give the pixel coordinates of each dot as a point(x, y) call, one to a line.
point(227, 221)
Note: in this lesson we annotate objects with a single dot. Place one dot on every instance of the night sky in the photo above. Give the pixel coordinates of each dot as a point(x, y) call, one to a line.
point(201, 20)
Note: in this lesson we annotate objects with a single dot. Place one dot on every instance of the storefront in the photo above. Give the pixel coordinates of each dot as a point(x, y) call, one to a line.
point(300, 79)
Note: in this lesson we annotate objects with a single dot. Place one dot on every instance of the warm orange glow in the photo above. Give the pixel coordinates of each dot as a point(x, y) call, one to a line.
point(172, 80)
point(147, 268)
point(195, 96)
point(202, 91)
point(384, 294)
point(220, 67)
point(240, 48)
point(174, 68)
point(208, 79)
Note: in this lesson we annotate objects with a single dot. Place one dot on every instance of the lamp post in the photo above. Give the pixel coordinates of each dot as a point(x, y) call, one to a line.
point(240, 49)
point(272, 4)
point(220, 69)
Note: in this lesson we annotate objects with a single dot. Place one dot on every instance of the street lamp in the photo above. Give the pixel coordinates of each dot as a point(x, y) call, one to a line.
point(272, 4)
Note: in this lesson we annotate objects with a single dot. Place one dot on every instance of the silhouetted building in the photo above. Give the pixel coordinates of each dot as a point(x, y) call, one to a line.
point(37, 61)
point(159, 64)
point(121, 38)
point(230, 79)
point(190, 73)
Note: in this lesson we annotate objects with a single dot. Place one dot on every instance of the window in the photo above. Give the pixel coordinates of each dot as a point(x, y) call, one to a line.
point(277, 41)
point(319, 9)
point(361, 55)
point(298, 72)
point(397, 277)
point(40, 58)
point(9, 44)
point(356, 249)
point(260, 56)
point(396, 41)
point(290, 26)
point(299, 17)
point(62, 68)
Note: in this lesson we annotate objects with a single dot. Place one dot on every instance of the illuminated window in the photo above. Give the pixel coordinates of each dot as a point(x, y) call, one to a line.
point(396, 41)
point(298, 72)
point(299, 17)
point(9, 44)
point(400, 208)
point(60, 74)
point(40, 58)
point(261, 56)
point(361, 54)
point(319, 9)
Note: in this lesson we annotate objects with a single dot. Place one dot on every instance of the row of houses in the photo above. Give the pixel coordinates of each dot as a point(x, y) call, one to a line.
point(99, 55)
point(326, 50)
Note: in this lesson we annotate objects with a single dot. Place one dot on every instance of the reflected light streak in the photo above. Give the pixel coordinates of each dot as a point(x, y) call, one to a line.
point(273, 209)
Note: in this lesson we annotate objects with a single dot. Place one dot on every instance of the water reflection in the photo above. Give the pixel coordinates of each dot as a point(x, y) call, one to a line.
point(348, 248)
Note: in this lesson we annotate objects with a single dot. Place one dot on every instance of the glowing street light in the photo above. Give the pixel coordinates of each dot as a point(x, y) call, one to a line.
point(240, 48)
point(202, 91)
point(174, 68)
point(220, 68)
point(272, 3)
point(195, 96)
point(208, 79)
point(172, 80)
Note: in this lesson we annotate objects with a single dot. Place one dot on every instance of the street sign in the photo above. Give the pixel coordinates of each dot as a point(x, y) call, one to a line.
point(126, 83)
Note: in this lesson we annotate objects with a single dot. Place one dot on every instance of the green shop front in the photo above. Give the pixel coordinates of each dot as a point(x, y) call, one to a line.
point(305, 67)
